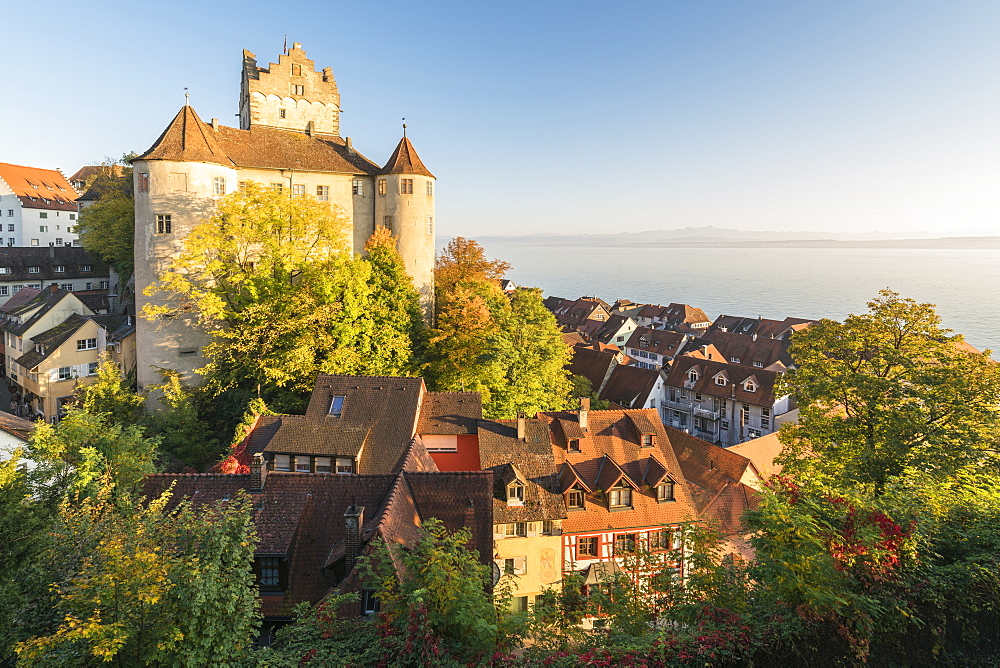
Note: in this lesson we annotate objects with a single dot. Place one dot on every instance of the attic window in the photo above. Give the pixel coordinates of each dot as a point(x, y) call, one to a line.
point(758, 364)
point(345, 465)
point(750, 386)
point(337, 405)
point(720, 380)
point(620, 497)
point(282, 463)
point(734, 360)
point(574, 445)
point(693, 376)
point(665, 491)
point(269, 572)
point(648, 440)
point(515, 494)
point(296, 70)
point(575, 499)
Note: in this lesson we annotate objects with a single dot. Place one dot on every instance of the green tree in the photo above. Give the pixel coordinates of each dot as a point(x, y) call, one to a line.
point(582, 387)
point(435, 596)
point(506, 347)
point(111, 395)
point(87, 451)
point(184, 437)
point(107, 226)
point(889, 391)
point(273, 281)
point(141, 585)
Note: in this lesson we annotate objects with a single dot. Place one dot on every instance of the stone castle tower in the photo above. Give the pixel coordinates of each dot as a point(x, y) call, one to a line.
point(288, 139)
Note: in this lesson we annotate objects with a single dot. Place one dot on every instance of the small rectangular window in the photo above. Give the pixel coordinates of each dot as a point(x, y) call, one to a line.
point(302, 464)
point(43, 214)
point(219, 185)
point(430, 188)
point(3, 290)
point(648, 440)
point(43, 228)
point(34, 270)
point(34, 242)
point(324, 465)
point(59, 268)
point(281, 113)
point(323, 193)
point(163, 224)
point(276, 186)
point(243, 185)
point(296, 70)
point(358, 187)
point(381, 186)
point(665, 491)
point(59, 241)
point(282, 463)
point(105, 285)
point(86, 267)
point(345, 465)
point(10, 212)
point(270, 572)
point(430, 224)
point(142, 182)
point(298, 89)
point(65, 372)
point(92, 369)
point(620, 498)
point(298, 190)
point(369, 603)
point(406, 186)
point(586, 547)
point(10, 227)
point(90, 286)
point(575, 499)
point(337, 405)
point(66, 286)
point(387, 222)
point(573, 445)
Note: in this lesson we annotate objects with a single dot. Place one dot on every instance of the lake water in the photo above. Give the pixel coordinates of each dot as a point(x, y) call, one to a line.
point(775, 282)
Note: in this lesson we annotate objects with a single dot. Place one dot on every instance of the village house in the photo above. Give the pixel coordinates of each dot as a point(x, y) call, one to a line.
point(37, 207)
point(54, 342)
point(653, 348)
point(631, 386)
point(313, 527)
point(528, 507)
point(571, 314)
point(761, 327)
point(673, 317)
point(622, 487)
point(72, 268)
point(595, 363)
point(723, 403)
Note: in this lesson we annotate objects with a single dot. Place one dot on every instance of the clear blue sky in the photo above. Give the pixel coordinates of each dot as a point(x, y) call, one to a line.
point(839, 116)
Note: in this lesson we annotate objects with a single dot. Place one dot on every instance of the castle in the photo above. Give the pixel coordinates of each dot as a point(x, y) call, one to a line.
point(288, 139)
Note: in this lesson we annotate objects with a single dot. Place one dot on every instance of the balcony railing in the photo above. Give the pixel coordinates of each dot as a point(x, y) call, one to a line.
point(676, 405)
point(705, 413)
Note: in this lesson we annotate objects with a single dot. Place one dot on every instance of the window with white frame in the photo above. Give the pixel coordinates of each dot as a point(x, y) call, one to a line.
point(515, 494)
point(515, 565)
point(65, 372)
point(59, 268)
point(298, 190)
point(665, 491)
point(324, 464)
point(323, 193)
point(303, 464)
point(406, 186)
point(430, 188)
point(219, 185)
point(720, 379)
point(692, 376)
point(282, 463)
point(163, 223)
point(345, 465)
point(34, 270)
point(381, 186)
point(620, 497)
point(358, 187)
point(750, 386)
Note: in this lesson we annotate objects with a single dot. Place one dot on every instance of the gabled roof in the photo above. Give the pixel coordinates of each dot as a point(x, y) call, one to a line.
point(593, 365)
point(72, 259)
point(38, 188)
point(707, 467)
point(19, 299)
point(569, 477)
point(762, 452)
point(44, 302)
point(16, 426)
point(677, 376)
point(404, 160)
point(50, 340)
point(501, 451)
point(629, 386)
point(657, 341)
point(610, 474)
point(613, 444)
point(301, 515)
point(376, 424)
point(765, 351)
point(450, 413)
point(189, 139)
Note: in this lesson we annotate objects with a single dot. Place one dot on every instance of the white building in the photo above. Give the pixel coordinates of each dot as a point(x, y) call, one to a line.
point(37, 207)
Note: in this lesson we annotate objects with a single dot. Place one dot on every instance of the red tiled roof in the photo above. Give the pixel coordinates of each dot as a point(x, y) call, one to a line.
point(613, 434)
point(736, 374)
point(630, 385)
point(762, 452)
point(404, 160)
point(38, 188)
point(708, 466)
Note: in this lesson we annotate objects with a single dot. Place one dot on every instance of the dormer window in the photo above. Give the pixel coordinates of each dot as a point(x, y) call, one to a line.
point(734, 360)
point(515, 494)
point(575, 499)
point(692, 376)
point(665, 491)
point(620, 497)
point(573, 445)
point(720, 379)
point(758, 364)
point(648, 440)
point(337, 405)
point(345, 465)
point(750, 386)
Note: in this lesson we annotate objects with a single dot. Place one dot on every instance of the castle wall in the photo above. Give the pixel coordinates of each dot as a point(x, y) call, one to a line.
point(183, 191)
point(289, 94)
point(412, 222)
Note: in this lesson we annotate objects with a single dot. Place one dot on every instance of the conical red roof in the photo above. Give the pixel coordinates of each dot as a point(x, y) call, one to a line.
point(404, 160)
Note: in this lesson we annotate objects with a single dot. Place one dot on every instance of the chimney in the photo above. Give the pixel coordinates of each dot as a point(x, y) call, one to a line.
point(521, 426)
point(349, 144)
point(215, 124)
point(754, 336)
point(584, 412)
point(310, 130)
point(54, 288)
point(353, 520)
point(258, 472)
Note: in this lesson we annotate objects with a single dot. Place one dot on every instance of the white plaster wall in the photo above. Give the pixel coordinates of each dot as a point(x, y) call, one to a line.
point(414, 239)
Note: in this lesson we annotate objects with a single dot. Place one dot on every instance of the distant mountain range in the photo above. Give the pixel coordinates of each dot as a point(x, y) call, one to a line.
point(715, 237)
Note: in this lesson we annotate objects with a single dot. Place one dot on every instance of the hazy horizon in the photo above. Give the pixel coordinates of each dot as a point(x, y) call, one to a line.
point(559, 117)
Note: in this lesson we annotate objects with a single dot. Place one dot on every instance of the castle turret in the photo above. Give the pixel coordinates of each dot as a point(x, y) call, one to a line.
point(289, 94)
point(404, 203)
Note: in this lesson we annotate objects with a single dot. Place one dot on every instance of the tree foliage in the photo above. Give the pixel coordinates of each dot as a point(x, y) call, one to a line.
point(506, 347)
point(272, 279)
point(890, 391)
point(184, 436)
point(107, 226)
point(141, 585)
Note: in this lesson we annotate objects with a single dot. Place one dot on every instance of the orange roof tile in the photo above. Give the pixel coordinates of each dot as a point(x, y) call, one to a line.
point(404, 160)
point(39, 188)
